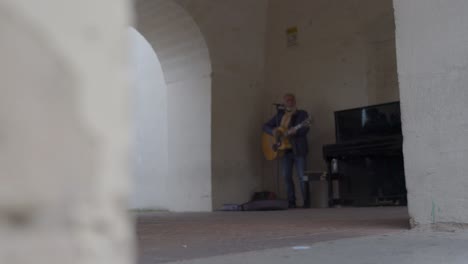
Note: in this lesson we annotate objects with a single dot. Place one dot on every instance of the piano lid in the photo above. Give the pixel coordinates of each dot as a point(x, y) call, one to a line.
point(367, 123)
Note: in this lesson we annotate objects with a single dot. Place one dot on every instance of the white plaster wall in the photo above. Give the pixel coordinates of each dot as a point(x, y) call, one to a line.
point(185, 62)
point(432, 67)
point(345, 58)
point(149, 123)
point(235, 34)
point(64, 132)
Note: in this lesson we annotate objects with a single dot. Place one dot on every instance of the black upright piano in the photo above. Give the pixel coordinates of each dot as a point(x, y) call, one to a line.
point(365, 165)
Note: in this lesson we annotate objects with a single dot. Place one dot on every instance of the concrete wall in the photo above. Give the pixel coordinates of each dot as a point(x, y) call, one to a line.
point(432, 67)
point(185, 62)
point(235, 34)
point(63, 133)
point(149, 122)
point(345, 58)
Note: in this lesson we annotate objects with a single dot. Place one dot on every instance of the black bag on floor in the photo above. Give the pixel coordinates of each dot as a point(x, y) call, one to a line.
point(265, 201)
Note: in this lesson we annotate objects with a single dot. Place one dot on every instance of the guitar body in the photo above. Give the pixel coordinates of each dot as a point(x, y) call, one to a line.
point(282, 139)
point(268, 141)
point(274, 146)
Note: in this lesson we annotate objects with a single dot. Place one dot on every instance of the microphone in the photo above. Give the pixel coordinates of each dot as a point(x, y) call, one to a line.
point(278, 105)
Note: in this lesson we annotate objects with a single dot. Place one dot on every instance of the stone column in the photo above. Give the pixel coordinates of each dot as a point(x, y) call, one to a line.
point(432, 55)
point(64, 132)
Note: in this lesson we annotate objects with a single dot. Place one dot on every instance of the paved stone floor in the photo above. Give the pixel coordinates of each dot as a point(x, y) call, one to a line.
point(405, 247)
point(168, 237)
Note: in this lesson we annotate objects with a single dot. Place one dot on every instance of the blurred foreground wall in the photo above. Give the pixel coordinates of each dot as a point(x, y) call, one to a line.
point(63, 132)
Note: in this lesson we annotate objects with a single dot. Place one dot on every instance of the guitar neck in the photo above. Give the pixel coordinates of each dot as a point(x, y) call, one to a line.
point(301, 125)
point(298, 127)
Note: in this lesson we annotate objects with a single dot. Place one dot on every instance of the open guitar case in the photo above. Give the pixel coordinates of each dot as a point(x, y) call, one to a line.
point(261, 201)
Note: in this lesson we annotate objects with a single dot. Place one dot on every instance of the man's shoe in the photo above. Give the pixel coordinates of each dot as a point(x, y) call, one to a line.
point(292, 206)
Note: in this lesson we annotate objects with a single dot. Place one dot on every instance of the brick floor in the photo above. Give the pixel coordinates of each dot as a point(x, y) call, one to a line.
point(165, 237)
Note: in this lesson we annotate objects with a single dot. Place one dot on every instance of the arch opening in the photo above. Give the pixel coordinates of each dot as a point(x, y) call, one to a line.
point(172, 110)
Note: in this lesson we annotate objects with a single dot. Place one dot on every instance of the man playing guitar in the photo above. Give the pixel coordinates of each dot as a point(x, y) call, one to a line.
point(296, 153)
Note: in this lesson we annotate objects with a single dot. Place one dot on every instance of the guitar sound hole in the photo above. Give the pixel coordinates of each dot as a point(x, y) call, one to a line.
point(276, 146)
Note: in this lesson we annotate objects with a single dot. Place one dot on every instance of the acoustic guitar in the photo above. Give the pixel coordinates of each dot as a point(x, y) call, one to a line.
point(273, 146)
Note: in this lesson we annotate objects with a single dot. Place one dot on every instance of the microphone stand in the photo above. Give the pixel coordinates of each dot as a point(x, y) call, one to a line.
point(278, 108)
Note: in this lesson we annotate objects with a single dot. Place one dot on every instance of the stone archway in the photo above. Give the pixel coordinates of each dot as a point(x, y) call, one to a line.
point(186, 68)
